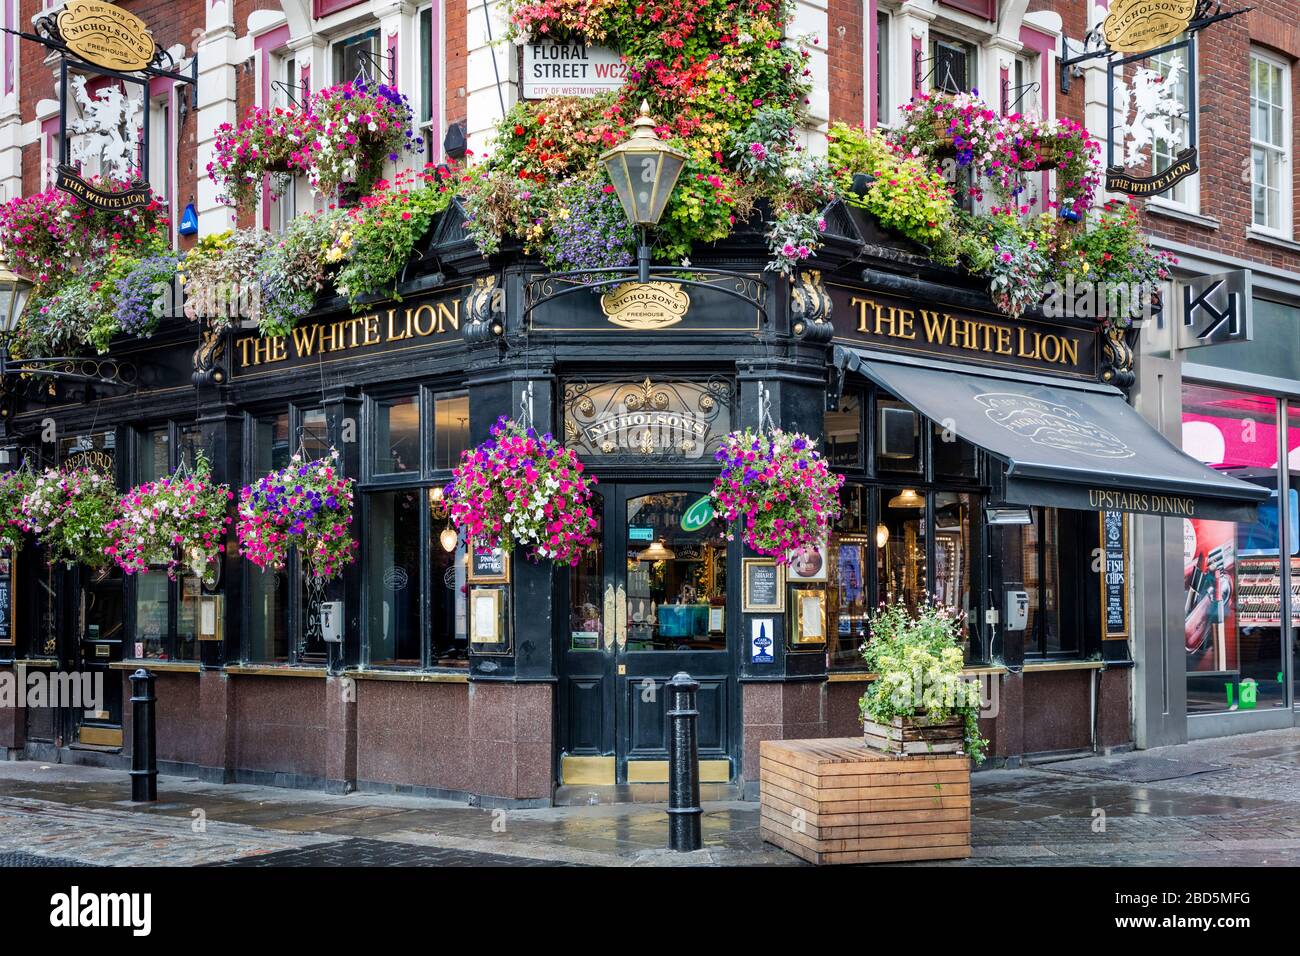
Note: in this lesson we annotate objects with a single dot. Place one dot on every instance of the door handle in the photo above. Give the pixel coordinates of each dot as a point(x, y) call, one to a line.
point(620, 618)
point(607, 619)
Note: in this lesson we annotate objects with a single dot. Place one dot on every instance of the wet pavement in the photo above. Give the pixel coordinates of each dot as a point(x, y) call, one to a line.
point(1233, 801)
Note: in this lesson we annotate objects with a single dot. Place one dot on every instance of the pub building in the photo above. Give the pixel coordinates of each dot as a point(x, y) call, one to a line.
point(990, 463)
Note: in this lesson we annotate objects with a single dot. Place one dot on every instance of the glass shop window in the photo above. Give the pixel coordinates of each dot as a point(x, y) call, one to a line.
point(268, 590)
point(1032, 561)
point(397, 436)
point(951, 456)
point(153, 454)
point(901, 547)
point(957, 565)
point(450, 429)
point(315, 433)
point(676, 579)
point(586, 586)
point(898, 437)
point(151, 610)
point(448, 588)
point(848, 585)
point(392, 581)
point(843, 432)
point(1233, 572)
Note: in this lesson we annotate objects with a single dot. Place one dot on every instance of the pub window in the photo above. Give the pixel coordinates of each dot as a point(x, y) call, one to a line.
point(843, 431)
point(450, 429)
point(898, 437)
point(393, 578)
point(162, 610)
point(951, 456)
point(268, 590)
point(852, 549)
point(1035, 563)
point(396, 436)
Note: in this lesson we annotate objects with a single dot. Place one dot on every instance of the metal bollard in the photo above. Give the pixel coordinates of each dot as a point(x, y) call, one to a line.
point(684, 811)
point(144, 749)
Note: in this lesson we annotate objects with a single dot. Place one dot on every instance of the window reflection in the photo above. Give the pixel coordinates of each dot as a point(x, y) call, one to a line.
point(150, 615)
point(586, 591)
point(676, 574)
point(901, 563)
point(956, 566)
point(1232, 572)
point(393, 577)
point(450, 429)
point(397, 435)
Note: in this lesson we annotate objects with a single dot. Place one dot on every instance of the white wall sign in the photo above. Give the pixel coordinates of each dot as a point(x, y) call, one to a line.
point(570, 69)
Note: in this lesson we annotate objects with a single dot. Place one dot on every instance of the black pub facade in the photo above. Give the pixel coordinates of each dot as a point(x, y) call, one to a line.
point(992, 464)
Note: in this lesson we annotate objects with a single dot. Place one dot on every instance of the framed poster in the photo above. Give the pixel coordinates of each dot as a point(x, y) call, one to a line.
point(488, 565)
point(485, 616)
point(763, 585)
point(809, 563)
point(8, 606)
point(808, 622)
point(1114, 575)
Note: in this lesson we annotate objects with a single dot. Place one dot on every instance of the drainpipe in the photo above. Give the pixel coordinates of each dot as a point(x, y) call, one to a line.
point(1092, 706)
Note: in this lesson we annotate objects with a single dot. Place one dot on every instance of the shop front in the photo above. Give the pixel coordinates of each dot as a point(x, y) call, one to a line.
point(990, 464)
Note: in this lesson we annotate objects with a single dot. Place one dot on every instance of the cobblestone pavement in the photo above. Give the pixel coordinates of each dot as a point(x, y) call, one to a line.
point(1232, 801)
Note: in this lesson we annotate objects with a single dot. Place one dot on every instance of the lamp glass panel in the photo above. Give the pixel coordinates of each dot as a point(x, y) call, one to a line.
point(616, 166)
point(670, 168)
point(8, 313)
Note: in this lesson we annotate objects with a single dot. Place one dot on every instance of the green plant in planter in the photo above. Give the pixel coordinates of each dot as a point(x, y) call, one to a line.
point(918, 662)
point(905, 195)
point(68, 513)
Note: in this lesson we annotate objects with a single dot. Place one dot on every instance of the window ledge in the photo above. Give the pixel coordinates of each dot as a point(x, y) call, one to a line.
point(274, 670)
point(1166, 211)
point(414, 677)
point(1272, 239)
point(182, 667)
point(1032, 667)
point(31, 662)
point(855, 677)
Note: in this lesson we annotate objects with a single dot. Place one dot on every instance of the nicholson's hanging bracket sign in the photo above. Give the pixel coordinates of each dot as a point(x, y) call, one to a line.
point(1154, 105)
point(101, 39)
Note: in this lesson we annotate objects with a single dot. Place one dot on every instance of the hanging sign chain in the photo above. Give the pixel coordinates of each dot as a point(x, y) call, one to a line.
point(526, 406)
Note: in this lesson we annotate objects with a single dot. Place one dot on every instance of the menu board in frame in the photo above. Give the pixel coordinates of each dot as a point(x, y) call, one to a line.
point(764, 586)
point(8, 606)
point(488, 565)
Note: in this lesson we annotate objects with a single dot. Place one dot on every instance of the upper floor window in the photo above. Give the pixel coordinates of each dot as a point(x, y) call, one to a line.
point(1165, 151)
point(884, 99)
point(952, 65)
point(1270, 140)
point(357, 55)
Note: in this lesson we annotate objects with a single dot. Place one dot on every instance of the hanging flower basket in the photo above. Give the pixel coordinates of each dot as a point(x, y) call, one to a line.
point(305, 504)
point(68, 513)
point(266, 141)
point(14, 486)
point(178, 521)
point(522, 488)
point(358, 125)
point(780, 487)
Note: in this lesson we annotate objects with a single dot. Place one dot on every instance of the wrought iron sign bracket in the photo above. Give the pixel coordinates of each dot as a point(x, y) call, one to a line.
point(107, 372)
point(1209, 11)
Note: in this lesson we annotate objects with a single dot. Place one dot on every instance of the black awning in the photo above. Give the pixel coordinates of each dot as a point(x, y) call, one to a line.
point(1065, 444)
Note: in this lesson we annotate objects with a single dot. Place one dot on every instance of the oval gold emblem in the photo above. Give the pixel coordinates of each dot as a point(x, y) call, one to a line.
point(1135, 26)
point(106, 35)
point(654, 305)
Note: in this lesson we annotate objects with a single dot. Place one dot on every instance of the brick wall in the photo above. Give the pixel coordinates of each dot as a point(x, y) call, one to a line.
point(454, 71)
point(845, 61)
point(1224, 119)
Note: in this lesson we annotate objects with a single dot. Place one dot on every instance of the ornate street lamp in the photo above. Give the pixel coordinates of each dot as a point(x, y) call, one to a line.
point(14, 292)
point(644, 170)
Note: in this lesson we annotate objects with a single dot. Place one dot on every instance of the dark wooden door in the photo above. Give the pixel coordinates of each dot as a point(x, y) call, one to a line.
point(652, 604)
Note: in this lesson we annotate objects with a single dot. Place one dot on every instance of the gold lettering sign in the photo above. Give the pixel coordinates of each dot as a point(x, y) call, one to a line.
point(1104, 499)
point(645, 306)
point(1185, 164)
point(877, 318)
point(105, 200)
point(106, 35)
point(1135, 26)
point(399, 326)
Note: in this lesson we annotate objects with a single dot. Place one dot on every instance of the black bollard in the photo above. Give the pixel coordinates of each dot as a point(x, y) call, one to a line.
point(144, 750)
point(684, 809)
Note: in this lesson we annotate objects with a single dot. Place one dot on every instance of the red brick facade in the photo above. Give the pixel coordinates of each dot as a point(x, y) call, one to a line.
point(844, 53)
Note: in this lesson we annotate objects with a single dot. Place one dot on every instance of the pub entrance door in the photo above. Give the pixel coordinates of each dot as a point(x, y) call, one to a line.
point(651, 600)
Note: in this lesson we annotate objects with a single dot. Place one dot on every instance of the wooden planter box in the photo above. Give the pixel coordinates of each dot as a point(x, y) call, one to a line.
point(839, 801)
point(915, 735)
